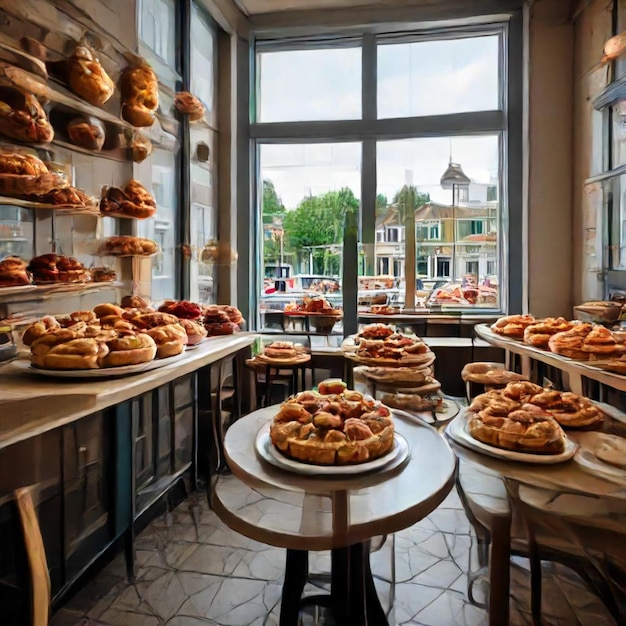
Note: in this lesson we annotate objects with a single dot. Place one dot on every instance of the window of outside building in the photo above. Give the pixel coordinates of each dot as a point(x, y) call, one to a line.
point(329, 144)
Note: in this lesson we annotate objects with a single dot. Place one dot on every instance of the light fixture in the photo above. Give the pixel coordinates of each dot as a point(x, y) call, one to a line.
point(454, 178)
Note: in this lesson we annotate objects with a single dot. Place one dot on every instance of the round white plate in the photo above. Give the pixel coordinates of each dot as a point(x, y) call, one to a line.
point(588, 461)
point(266, 450)
point(457, 431)
point(107, 372)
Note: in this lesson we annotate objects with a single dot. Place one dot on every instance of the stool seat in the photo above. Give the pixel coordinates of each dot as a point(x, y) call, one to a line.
point(277, 372)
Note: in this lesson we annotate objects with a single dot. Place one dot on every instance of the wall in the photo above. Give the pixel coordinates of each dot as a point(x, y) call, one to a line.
point(592, 28)
point(550, 75)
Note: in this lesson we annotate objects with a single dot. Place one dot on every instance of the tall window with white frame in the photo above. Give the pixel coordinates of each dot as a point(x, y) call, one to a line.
point(408, 131)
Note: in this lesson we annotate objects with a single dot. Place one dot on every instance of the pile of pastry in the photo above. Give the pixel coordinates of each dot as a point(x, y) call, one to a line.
point(332, 426)
point(26, 176)
point(45, 269)
point(108, 336)
point(216, 319)
point(126, 245)
point(574, 339)
point(382, 346)
point(316, 304)
point(133, 200)
point(526, 417)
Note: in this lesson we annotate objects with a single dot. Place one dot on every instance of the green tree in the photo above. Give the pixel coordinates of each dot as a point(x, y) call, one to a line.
point(318, 221)
point(381, 204)
point(273, 212)
point(407, 200)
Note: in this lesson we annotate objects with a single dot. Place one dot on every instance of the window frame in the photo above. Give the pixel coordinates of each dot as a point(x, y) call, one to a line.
point(506, 122)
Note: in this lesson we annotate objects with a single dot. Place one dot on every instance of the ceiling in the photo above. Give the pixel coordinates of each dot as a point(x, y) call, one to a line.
point(257, 7)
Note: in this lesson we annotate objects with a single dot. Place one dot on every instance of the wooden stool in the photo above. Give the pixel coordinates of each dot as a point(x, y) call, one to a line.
point(287, 373)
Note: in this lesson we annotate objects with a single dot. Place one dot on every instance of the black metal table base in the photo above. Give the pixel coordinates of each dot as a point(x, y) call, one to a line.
point(353, 598)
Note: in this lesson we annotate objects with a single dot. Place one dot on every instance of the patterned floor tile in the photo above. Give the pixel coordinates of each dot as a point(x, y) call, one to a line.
point(194, 571)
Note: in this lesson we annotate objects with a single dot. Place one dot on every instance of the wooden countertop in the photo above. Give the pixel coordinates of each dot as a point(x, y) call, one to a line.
point(31, 404)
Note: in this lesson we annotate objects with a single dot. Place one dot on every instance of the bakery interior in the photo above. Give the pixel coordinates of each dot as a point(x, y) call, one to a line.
point(206, 207)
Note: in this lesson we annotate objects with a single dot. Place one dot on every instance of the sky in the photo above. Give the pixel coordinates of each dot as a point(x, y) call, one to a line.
point(425, 78)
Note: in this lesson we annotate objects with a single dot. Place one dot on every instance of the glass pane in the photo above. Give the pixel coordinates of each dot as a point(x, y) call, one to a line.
point(203, 61)
point(16, 232)
point(157, 28)
point(438, 77)
point(298, 85)
point(162, 228)
point(306, 191)
point(456, 260)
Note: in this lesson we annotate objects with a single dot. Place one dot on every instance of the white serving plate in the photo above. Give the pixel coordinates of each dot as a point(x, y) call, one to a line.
point(457, 431)
point(107, 372)
point(266, 450)
point(589, 462)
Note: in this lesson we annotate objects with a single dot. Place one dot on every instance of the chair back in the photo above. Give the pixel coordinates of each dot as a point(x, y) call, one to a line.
point(36, 556)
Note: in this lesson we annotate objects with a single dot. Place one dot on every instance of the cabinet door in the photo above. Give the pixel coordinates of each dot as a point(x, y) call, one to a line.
point(164, 442)
point(86, 450)
point(143, 429)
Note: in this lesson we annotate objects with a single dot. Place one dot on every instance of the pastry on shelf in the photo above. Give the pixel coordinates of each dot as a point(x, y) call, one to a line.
point(140, 95)
point(14, 272)
point(586, 342)
point(196, 332)
point(24, 174)
point(56, 268)
point(64, 196)
point(132, 201)
point(282, 351)
point(183, 309)
point(86, 132)
point(140, 148)
point(87, 78)
point(190, 105)
point(489, 374)
point(126, 245)
point(170, 339)
point(538, 334)
point(22, 117)
point(135, 302)
point(217, 322)
point(103, 274)
point(328, 428)
point(512, 325)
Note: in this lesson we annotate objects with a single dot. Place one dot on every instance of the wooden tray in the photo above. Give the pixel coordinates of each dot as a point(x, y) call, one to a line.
point(296, 360)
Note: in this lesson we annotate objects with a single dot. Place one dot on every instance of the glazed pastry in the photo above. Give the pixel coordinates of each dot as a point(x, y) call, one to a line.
point(569, 343)
point(22, 117)
point(55, 268)
point(87, 78)
point(14, 272)
point(189, 105)
point(140, 95)
point(133, 201)
point(568, 409)
point(513, 325)
point(88, 133)
point(539, 333)
point(487, 374)
point(125, 245)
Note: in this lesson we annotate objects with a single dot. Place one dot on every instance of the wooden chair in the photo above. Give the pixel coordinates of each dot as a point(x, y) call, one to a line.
point(585, 532)
point(36, 557)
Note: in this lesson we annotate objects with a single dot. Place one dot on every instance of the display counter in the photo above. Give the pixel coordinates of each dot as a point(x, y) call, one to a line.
point(31, 404)
point(102, 453)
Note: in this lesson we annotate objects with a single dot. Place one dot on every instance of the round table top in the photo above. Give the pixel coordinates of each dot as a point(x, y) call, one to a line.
point(310, 512)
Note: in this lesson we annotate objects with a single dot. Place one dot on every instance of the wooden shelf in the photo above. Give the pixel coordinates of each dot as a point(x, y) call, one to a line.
point(575, 369)
point(30, 292)
point(611, 94)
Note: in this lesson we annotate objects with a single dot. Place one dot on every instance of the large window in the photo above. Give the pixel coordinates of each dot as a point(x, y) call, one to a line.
point(372, 123)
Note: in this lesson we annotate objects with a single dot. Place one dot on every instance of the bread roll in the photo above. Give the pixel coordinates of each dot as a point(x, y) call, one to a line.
point(331, 386)
point(22, 117)
point(87, 132)
point(195, 331)
point(87, 78)
point(104, 310)
point(170, 339)
point(140, 95)
point(129, 349)
point(189, 105)
point(76, 354)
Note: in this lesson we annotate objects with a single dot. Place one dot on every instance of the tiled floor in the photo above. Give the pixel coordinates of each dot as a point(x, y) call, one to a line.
point(194, 571)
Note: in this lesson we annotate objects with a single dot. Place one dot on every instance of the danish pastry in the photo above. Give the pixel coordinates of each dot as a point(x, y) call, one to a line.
point(512, 325)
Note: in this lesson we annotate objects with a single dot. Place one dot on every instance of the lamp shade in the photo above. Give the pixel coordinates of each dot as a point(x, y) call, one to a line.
point(454, 175)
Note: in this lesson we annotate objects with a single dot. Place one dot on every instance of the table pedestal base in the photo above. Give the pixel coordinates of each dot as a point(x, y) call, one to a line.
point(353, 598)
